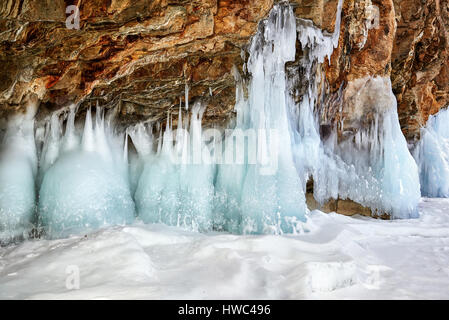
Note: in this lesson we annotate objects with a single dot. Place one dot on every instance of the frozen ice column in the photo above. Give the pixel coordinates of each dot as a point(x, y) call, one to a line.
point(270, 201)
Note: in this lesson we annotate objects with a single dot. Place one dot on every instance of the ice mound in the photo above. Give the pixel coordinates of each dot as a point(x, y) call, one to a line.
point(84, 177)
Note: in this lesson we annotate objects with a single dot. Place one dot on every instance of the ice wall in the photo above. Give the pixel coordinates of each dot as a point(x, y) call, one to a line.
point(18, 165)
point(84, 177)
point(432, 156)
point(254, 187)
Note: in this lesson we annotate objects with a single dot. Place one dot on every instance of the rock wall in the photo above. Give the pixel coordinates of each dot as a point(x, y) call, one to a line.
point(420, 61)
point(141, 54)
point(138, 53)
point(406, 40)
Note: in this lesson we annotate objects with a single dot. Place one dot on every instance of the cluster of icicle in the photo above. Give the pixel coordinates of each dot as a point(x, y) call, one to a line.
point(235, 197)
point(86, 178)
point(18, 168)
point(375, 167)
point(432, 156)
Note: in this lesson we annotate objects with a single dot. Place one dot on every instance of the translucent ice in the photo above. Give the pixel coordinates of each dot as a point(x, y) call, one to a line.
point(18, 165)
point(251, 198)
point(432, 156)
point(85, 182)
point(373, 167)
point(174, 188)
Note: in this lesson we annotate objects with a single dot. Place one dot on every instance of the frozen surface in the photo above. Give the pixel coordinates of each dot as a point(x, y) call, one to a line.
point(432, 156)
point(341, 257)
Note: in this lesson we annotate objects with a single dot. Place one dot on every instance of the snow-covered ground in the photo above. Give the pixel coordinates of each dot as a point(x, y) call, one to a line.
point(340, 258)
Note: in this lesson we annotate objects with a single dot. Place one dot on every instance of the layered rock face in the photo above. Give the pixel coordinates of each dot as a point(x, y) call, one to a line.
point(139, 54)
point(404, 40)
point(142, 54)
point(420, 61)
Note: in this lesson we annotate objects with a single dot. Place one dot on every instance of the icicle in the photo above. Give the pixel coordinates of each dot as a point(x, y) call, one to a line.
point(125, 149)
point(159, 143)
point(52, 143)
point(87, 186)
point(87, 141)
point(253, 198)
point(71, 140)
point(187, 96)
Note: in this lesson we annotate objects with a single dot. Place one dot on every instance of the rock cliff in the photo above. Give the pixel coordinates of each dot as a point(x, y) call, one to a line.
point(142, 54)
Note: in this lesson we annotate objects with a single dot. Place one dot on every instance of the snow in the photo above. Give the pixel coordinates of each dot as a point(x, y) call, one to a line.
point(339, 258)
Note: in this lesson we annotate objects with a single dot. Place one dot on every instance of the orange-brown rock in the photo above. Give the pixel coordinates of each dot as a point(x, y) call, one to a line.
point(139, 54)
point(420, 61)
point(365, 45)
point(345, 207)
point(408, 41)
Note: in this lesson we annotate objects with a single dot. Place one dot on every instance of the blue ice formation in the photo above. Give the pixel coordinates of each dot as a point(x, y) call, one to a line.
point(265, 196)
point(173, 188)
point(248, 179)
point(374, 166)
point(84, 178)
point(432, 156)
point(18, 166)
